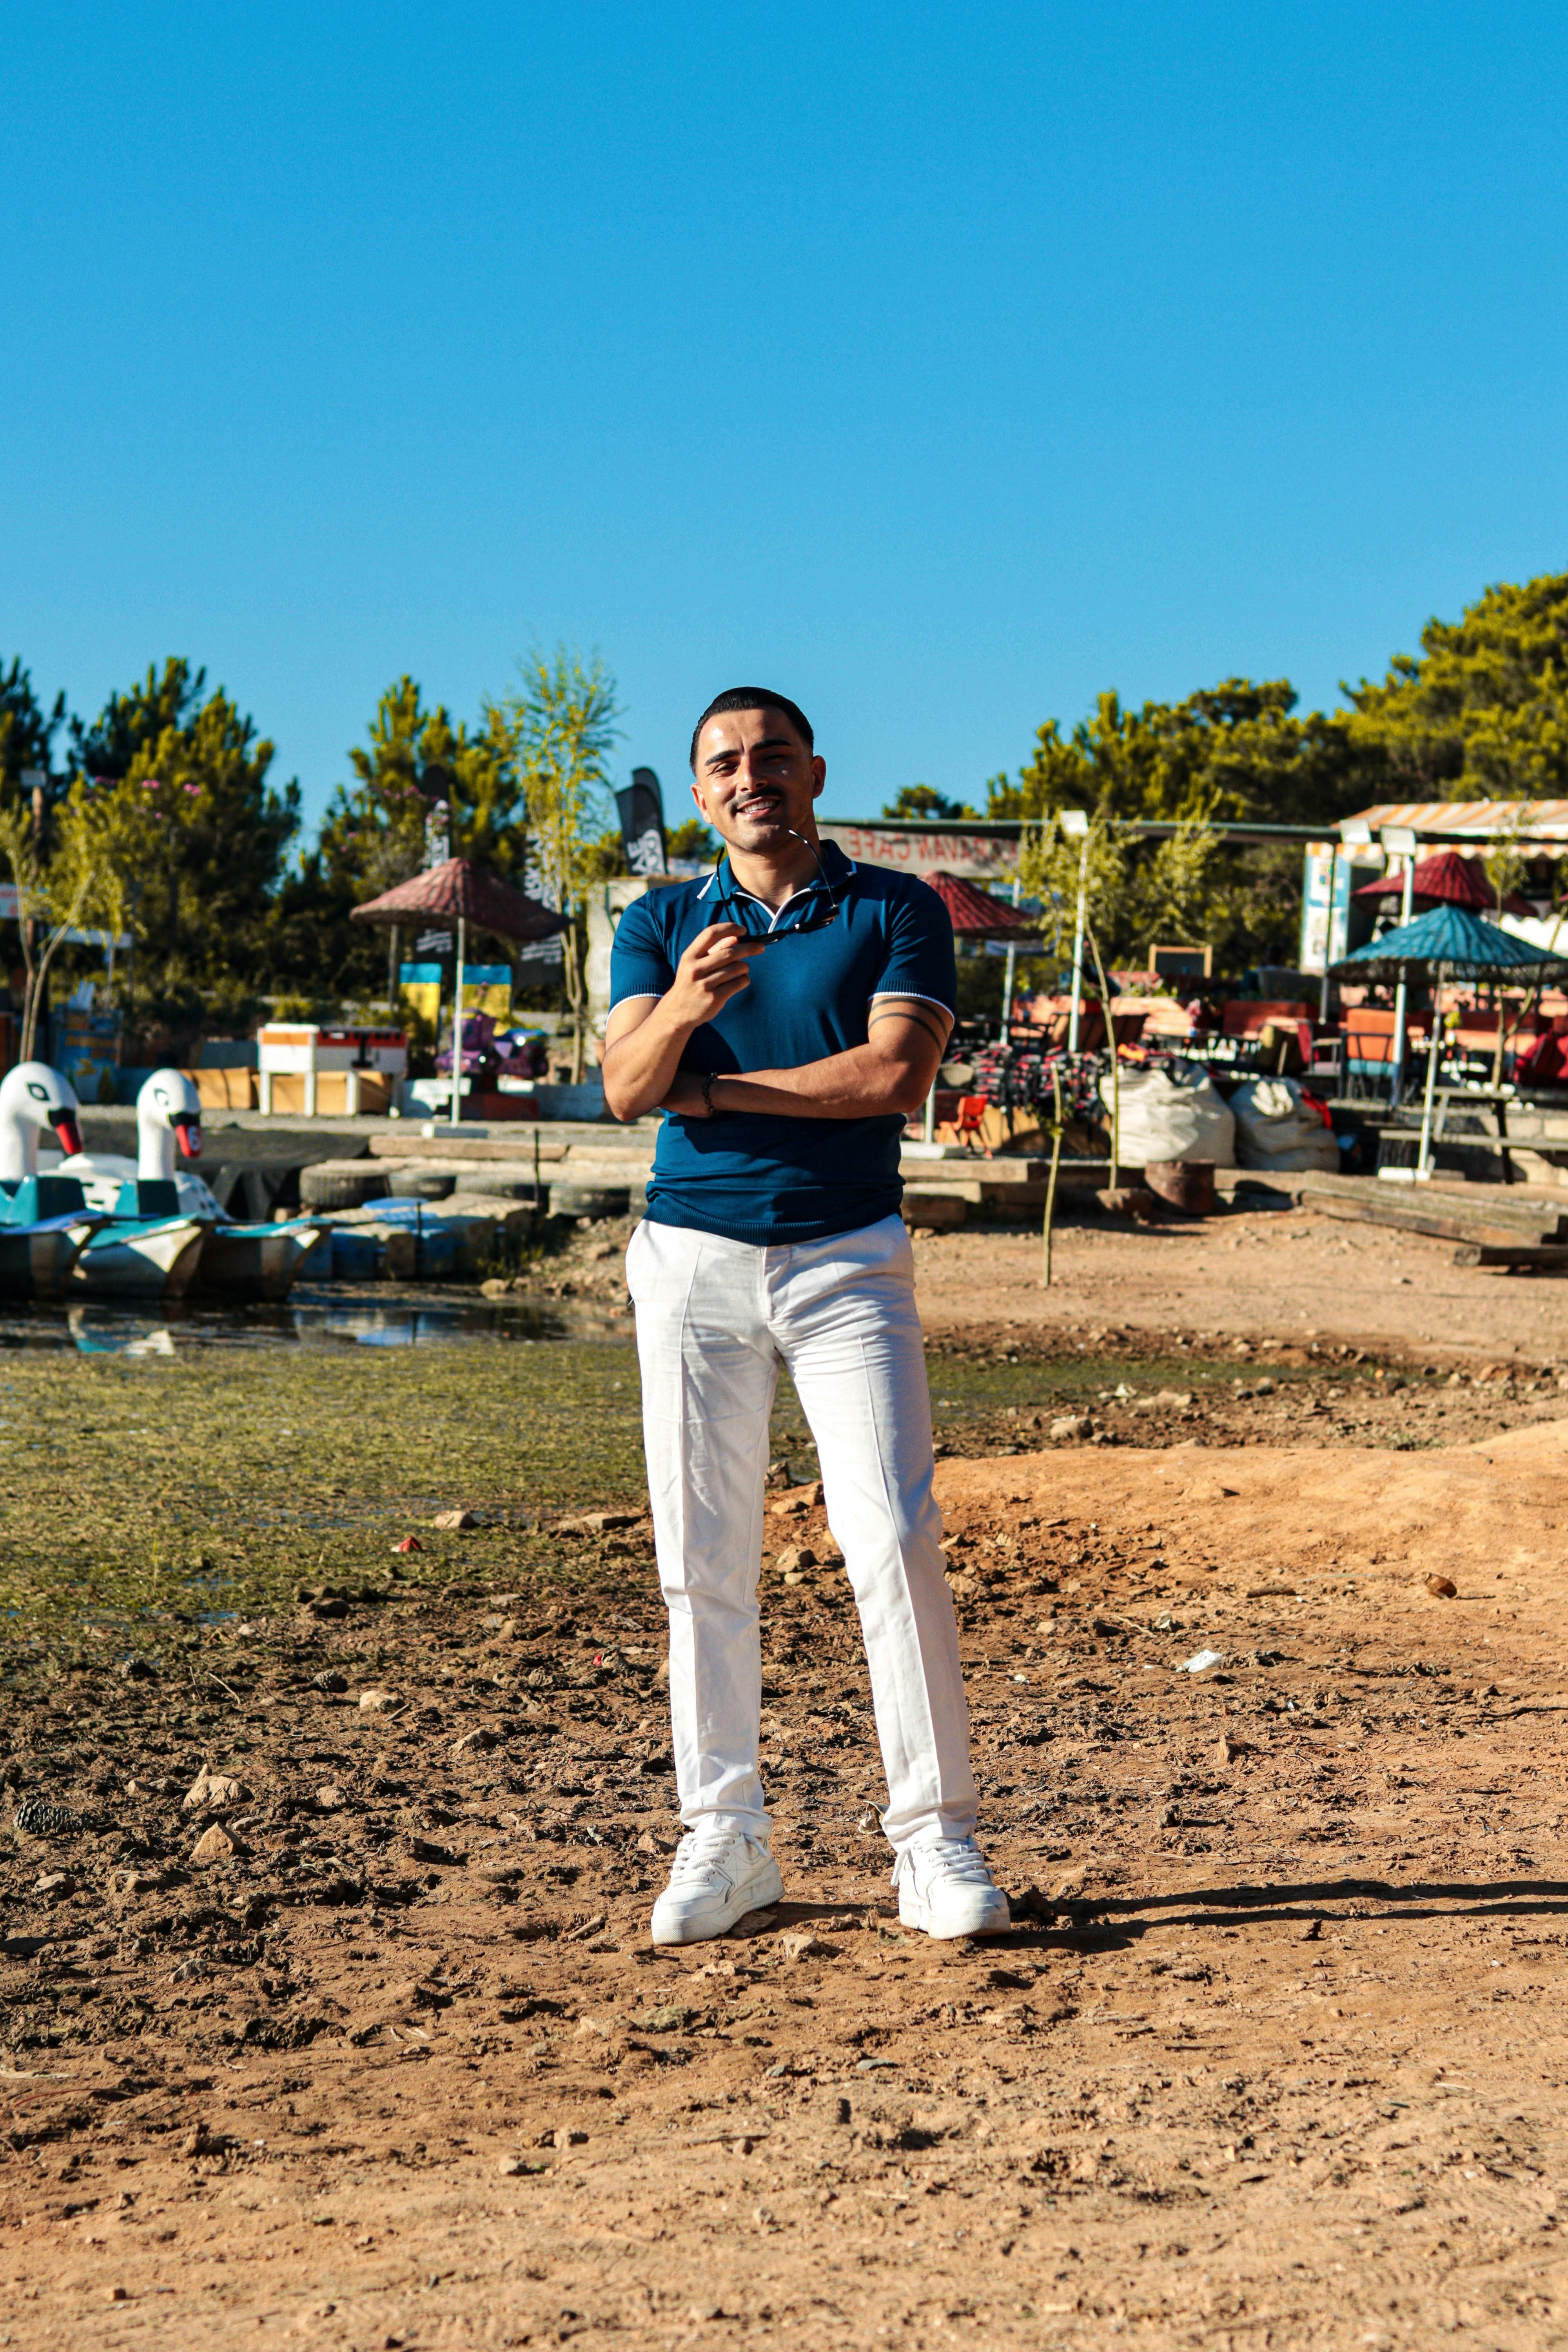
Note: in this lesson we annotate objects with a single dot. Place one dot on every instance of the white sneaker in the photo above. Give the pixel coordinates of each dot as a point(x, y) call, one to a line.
point(717, 1878)
point(946, 1888)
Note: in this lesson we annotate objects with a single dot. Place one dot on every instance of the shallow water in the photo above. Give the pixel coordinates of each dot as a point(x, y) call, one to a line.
point(163, 1469)
point(310, 1318)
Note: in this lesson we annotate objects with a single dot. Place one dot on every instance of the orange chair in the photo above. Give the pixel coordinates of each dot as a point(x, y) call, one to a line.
point(971, 1110)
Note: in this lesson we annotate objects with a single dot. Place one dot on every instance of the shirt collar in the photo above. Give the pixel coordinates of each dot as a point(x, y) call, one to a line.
point(836, 869)
point(836, 865)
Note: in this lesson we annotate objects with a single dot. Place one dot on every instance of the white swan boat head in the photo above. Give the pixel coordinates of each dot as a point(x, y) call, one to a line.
point(33, 1096)
point(168, 1107)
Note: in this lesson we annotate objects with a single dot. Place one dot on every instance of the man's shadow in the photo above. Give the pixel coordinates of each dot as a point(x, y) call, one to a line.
point(1114, 1922)
point(1300, 1902)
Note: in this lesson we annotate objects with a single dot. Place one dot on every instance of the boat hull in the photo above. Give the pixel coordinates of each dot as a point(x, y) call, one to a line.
point(127, 1261)
point(36, 1262)
point(255, 1261)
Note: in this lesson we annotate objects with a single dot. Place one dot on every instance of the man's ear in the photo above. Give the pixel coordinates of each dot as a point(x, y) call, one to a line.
point(819, 773)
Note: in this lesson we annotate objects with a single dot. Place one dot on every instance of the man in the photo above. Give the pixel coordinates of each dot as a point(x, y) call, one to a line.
point(788, 1014)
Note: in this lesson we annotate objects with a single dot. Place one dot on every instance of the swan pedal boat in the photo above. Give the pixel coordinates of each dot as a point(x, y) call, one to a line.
point(98, 1250)
point(149, 1197)
point(44, 1225)
point(43, 1232)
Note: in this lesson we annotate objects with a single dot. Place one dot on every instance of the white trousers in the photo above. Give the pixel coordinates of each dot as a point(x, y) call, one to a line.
point(715, 1319)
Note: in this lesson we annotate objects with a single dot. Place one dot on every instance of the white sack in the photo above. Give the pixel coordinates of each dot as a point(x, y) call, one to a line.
point(1275, 1129)
point(1165, 1118)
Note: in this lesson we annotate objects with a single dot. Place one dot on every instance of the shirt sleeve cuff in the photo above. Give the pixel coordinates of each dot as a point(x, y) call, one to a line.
point(914, 996)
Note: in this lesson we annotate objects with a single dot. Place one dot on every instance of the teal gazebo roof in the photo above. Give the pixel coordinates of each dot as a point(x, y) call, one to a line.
point(1465, 946)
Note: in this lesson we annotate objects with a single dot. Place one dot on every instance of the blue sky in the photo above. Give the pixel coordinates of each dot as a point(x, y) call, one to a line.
point(939, 366)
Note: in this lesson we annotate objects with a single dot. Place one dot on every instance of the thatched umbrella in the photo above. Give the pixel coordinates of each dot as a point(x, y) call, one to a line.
point(462, 893)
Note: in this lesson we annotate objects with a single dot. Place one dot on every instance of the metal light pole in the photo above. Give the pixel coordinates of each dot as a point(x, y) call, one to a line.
point(1075, 826)
point(1328, 936)
point(1400, 841)
point(1354, 834)
point(457, 1031)
point(1012, 966)
point(1423, 1157)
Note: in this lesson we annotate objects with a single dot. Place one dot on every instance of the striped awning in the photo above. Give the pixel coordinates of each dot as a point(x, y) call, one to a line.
point(1546, 821)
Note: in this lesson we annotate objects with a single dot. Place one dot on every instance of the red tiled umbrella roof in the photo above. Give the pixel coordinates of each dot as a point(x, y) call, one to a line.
point(1446, 879)
point(974, 915)
point(461, 888)
point(1461, 881)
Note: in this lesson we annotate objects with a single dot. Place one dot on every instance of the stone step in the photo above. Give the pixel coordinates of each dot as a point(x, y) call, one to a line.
point(514, 1139)
point(1473, 1213)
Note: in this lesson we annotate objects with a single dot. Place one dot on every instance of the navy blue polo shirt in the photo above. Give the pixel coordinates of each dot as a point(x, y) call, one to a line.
point(751, 1175)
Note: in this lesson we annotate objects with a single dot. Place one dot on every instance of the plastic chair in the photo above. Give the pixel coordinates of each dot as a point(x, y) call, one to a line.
point(971, 1110)
point(1326, 1062)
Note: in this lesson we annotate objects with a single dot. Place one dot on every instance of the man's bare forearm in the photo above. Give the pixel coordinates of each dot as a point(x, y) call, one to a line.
point(884, 1076)
point(890, 1075)
point(845, 1086)
point(639, 1068)
point(647, 1037)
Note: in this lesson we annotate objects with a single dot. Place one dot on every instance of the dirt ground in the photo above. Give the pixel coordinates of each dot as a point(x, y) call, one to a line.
point(1273, 2057)
point(1297, 1275)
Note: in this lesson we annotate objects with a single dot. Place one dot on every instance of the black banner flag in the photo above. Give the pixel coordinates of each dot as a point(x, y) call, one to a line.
point(641, 811)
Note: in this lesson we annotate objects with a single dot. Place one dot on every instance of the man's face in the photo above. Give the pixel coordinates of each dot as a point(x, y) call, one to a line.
point(755, 780)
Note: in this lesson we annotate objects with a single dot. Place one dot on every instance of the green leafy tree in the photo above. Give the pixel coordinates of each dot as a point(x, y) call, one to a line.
point(559, 728)
point(64, 874)
point(605, 860)
point(1236, 751)
point(693, 840)
point(27, 748)
point(1505, 861)
point(1481, 712)
point(1175, 896)
point(373, 835)
point(178, 779)
point(107, 748)
point(924, 800)
point(26, 732)
point(1049, 868)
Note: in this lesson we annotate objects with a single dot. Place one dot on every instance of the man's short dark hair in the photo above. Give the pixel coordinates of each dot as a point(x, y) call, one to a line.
point(754, 697)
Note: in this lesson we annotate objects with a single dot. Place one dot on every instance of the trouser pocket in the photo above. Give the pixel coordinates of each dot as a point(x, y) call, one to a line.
point(637, 1249)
